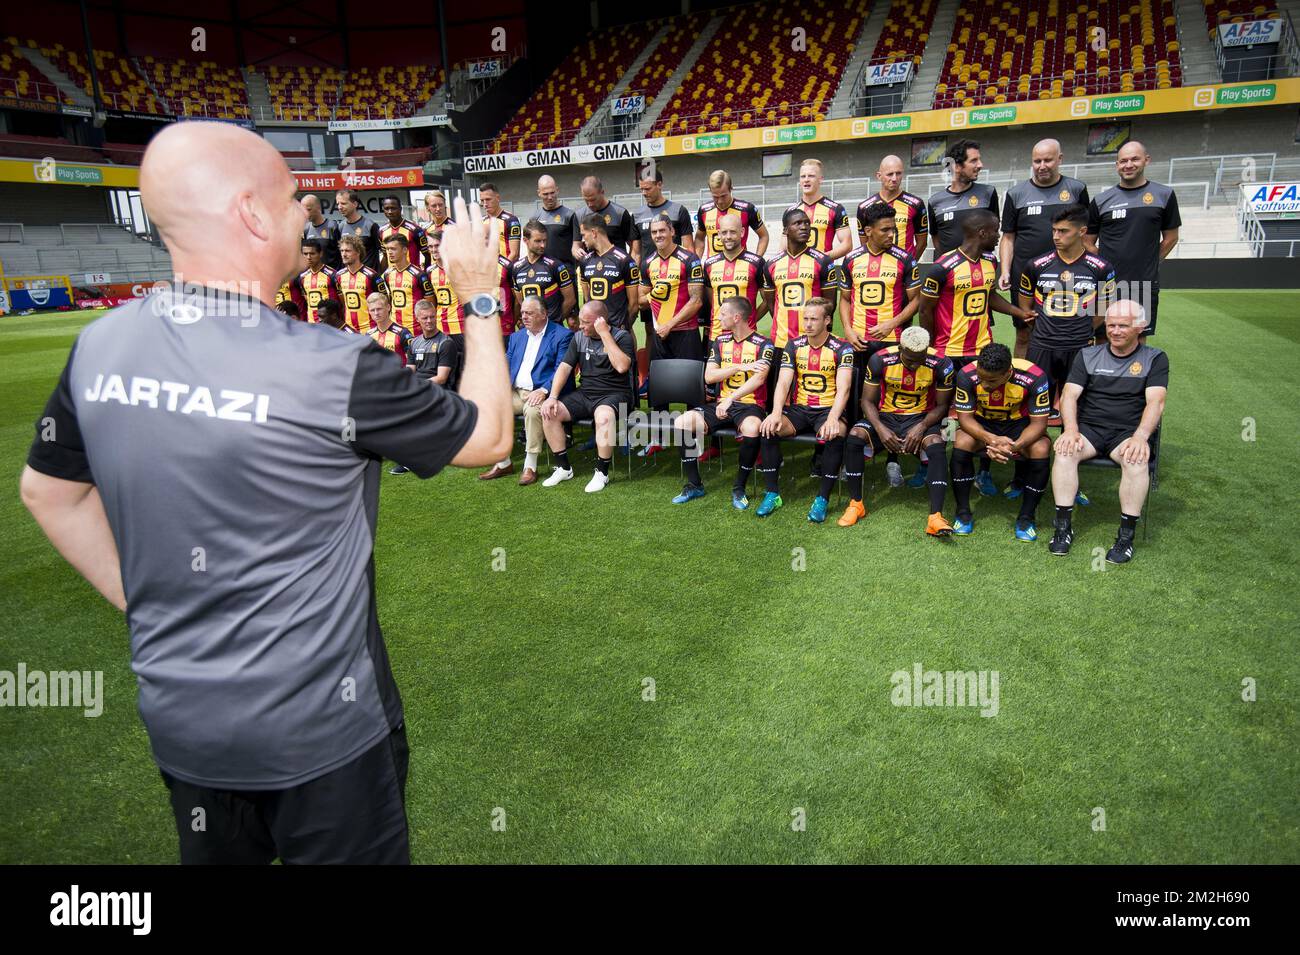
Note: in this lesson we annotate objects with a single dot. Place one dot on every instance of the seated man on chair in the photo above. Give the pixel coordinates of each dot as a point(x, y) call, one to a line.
point(905, 398)
point(1111, 405)
point(1002, 404)
point(817, 377)
point(603, 356)
point(739, 359)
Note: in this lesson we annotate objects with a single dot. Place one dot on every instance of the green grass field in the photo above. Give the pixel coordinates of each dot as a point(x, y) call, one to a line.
point(1119, 688)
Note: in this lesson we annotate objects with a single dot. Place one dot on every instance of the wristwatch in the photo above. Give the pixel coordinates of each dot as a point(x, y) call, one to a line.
point(483, 305)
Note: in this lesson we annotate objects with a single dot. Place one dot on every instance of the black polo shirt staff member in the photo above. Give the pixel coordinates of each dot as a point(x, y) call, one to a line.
point(264, 683)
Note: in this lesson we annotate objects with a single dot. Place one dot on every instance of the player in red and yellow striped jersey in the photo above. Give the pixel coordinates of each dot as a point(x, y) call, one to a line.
point(740, 364)
point(506, 296)
point(879, 285)
point(796, 276)
point(734, 272)
point(291, 290)
point(911, 220)
point(451, 313)
point(1002, 406)
point(417, 245)
point(905, 398)
point(355, 283)
point(512, 232)
point(831, 231)
point(707, 240)
point(388, 334)
point(317, 280)
point(816, 378)
point(405, 283)
point(672, 278)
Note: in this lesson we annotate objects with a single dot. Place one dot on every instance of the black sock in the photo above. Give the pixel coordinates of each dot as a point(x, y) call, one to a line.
point(1033, 477)
point(985, 464)
point(853, 447)
point(602, 464)
point(1065, 513)
point(963, 476)
point(562, 460)
point(691, 463)
point(831, 458)
point(937, 478)
point(771, 467)
point(748, 455)
point(1128, 522)
point(893, 458)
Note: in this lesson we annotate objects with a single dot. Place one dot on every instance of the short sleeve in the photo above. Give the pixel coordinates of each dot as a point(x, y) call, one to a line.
point(683, 223)
point(631, 273)
point(1009, 215)
point(912, 269)
point(765, 276)
point(448, 352)
point(993, 201)
point(694, 271)
point(1169, 217)
point(715, 353)
point(934, 280)
point(1083, 199)
point(1040, 396)
point(768, 355)
point(875, 369)
point(923, 221)
point(699, 219)
point(839, 218)
point(944, 375)
point(787, 356)
point(571, 353)
point(645, 278)
point(58, 449)
point(404, 418)
point(563, 275)
point(1158, 376)
point(846, 357)
point(963, 398)
point(628, 344)
point(1027, 280)
point(756, 219)
point(1094, 217)
point(1078, 372)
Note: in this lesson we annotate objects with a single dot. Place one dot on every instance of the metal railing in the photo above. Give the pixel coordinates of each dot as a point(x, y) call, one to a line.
point(1262, 66)
point(69, 260)
point(1249, 227)
point(605, 127)
point(461, 90)
point(11, 232)
point(36, 90)
point(1236, 249)
point(862, 98)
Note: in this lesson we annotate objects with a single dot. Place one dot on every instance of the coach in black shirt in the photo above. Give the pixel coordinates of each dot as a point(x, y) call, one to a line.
point(1111, 405)
point(433, 355)
point(1027, 220)
point(264, 683)
point(1136, 224)
point(319, 227)
point(948, 208)
point(617, 219)
point(563, 243)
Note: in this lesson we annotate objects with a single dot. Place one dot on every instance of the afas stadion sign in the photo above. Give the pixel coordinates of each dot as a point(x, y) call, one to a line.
point(360, 179)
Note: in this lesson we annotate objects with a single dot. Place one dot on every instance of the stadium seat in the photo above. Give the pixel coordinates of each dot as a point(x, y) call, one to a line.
point(747, 74)
point(1044, 49)
point(21, 79)
point(1238, 11)
point(387, 91)
point(905, 33)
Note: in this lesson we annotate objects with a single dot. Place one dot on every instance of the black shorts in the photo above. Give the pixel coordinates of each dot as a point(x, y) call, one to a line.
point(959, 363)
point(1105, 440)
point(683, 344)
point(806, 420)
point(1057, 362)
point(355, 814)
point(582, 406)
point(738, 413)
point(1011, 428)
point(899, 424)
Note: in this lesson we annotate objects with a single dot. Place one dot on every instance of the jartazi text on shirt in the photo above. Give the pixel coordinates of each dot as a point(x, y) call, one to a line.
point(180, 398)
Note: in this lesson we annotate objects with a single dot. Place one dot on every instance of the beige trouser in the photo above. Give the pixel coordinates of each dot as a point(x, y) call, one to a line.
point(532, 420)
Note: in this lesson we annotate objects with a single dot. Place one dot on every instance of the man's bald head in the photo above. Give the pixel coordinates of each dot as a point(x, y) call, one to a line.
point(222, 198)
point(1046, 162)
point(312, 205)
point(548, 192)
point(890, 176)
point(1131, 163)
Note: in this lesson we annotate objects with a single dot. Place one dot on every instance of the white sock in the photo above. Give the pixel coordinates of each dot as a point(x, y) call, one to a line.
point(530, 460)
point(505, 463)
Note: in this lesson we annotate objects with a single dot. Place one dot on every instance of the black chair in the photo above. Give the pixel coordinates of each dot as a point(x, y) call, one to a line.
point(1153, 467)
point(675, 381)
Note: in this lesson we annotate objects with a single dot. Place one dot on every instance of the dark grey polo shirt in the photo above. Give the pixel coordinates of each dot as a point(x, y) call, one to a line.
point(242, 494)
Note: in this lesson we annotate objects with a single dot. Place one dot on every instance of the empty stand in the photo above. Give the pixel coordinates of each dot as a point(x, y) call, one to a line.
point(558, 109)
point(905, 33)
point(388, 91)
point(303, 91)
point(667, 56)
point(749, 75)
point(1041, 49)
point(199, 89)
point(20, 79)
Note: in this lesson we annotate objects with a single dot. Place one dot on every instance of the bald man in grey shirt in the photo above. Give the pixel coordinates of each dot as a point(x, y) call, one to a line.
point(229, 508)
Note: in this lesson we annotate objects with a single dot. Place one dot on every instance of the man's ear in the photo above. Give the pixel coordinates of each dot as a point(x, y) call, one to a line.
point(253, 215)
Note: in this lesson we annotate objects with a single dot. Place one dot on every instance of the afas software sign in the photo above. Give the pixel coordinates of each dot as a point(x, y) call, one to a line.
point(1146, 102)
point(1272, 198)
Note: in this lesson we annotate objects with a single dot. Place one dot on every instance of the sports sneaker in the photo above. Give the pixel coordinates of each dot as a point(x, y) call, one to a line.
point(1081, 499)
point(1013, 491)
point(852, 514)
point(1062, 538)
point(739, 501)
point(1026, 531)
point(936, 526)
point(771, 501)
point(894, 474)
point(817, 513)
point(918, 479)
point(963, 527)
point(984, 484)
point(1122, 550)
point(689, 493)
point(597, 483)
point(558, 475)
point(650, 450)
point(398, 469)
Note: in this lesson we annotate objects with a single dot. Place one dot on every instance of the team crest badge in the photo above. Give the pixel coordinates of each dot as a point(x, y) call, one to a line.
point(607, 219)
point(1064, 195)
point(1148, 198)
point(557, 218)
point(1067, 278)
point(972, 201)
point(1135, 368)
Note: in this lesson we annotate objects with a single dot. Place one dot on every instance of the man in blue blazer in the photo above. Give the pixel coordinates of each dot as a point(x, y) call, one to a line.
point(533, 353)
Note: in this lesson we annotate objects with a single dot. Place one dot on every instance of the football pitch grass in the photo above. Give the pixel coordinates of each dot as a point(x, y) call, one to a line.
point(525, 688)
